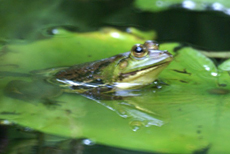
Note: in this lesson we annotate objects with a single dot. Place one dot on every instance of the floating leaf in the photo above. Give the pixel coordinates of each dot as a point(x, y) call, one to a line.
point(215, 5)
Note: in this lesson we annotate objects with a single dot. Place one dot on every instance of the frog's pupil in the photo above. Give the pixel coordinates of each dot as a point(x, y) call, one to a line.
point(139, 49)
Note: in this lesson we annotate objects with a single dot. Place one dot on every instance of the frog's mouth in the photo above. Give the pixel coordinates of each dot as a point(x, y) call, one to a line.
point(141, 72)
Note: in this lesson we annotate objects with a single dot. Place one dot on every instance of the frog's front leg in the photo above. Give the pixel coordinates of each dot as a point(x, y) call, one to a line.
point(105, 92)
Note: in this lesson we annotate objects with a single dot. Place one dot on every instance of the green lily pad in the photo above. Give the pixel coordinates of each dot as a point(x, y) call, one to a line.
point(188, 113)
point(150, 5)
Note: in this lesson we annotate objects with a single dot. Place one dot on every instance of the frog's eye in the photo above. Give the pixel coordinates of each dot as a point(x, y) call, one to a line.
point(151, 45)
point(139, 51)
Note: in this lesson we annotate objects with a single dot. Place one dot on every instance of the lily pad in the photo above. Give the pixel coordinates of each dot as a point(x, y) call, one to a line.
point(215, 5)
point(186, 113)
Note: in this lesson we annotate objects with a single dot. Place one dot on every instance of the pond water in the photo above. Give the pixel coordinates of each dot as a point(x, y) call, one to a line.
point(185, 111)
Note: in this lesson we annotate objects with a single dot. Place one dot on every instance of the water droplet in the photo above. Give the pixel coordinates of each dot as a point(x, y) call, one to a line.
point(159, 3)
point(87, 142)
point(227, 11)
point(115, 34)
point(214, 73)
point(156, 122)
point(55, 31)
point(28, 129)
point(159, 87)
point(207, 67)
point(129, 30)
point(188, 4)
point(217, 6)
point(122, 113)
point(136, 125)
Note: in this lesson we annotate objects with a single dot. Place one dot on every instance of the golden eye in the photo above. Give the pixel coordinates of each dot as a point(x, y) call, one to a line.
point(139, 51)
point(151, 45)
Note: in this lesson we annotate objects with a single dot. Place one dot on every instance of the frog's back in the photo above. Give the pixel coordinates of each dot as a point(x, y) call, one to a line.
point(87, 72)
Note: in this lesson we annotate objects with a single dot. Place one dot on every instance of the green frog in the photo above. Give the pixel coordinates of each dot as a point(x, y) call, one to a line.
point(107, 78)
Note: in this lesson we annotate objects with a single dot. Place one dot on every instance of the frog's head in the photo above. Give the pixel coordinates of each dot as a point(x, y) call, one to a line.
point(140, 66)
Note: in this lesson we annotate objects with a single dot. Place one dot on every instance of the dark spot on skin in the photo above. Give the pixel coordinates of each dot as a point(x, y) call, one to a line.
point(183, 81)
point(203, 150)
point(68, 74)
point(102, 65)
point(89, 55)
point(179, 109)
point(218, 91)
point(79, 87)
point(222, 85)
point(98, 81)
point(198, 131)
point(86, 72)
point(184, 71)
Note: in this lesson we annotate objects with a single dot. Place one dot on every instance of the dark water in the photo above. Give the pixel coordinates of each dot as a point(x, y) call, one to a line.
point(16, 139)
point(27, 20)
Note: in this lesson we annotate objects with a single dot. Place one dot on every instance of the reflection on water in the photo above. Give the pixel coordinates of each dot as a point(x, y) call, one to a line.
point(131, 103)
point(29, 142)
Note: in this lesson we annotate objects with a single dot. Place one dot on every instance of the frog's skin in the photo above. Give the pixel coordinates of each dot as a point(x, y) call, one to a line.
point(106, 78)
point(130, 70)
